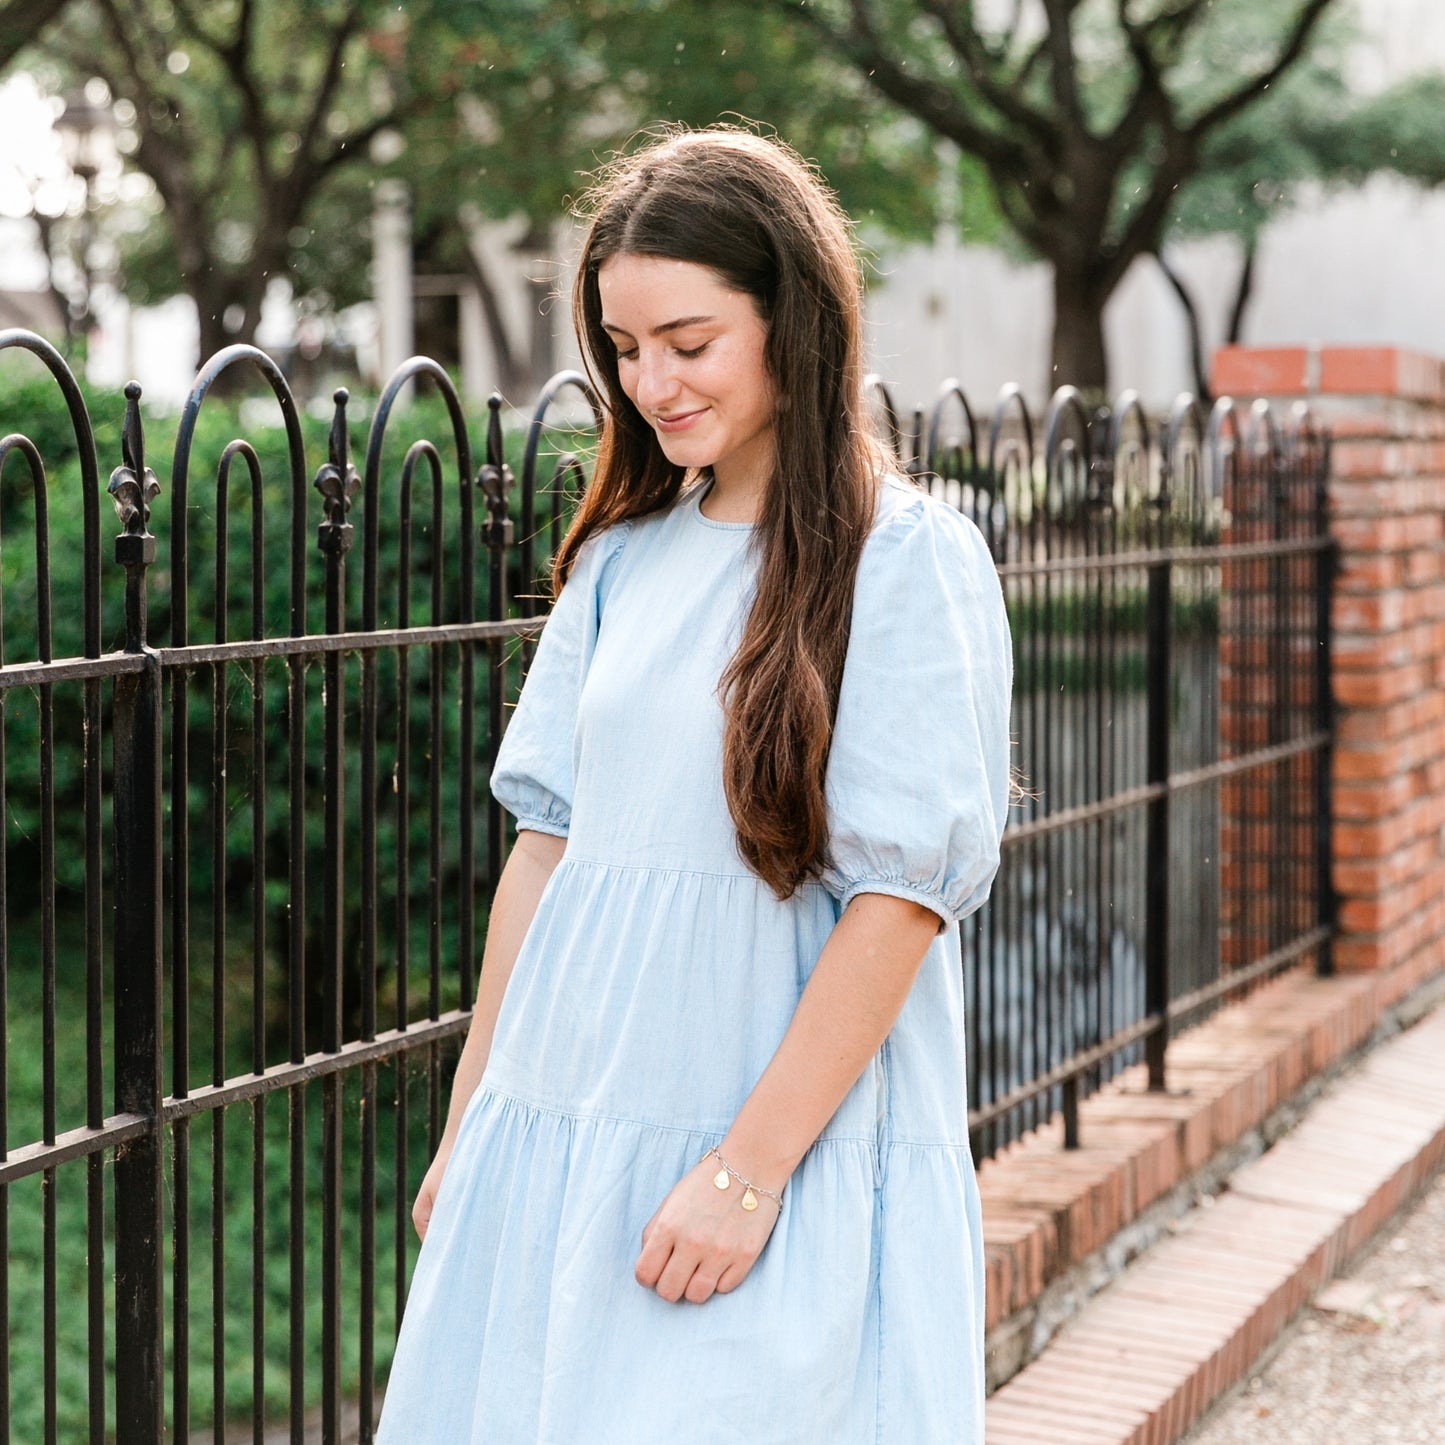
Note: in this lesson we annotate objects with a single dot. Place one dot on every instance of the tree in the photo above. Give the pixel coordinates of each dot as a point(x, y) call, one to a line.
point(255, 120)
point(22, 22)
point(527, 96)
point(243, 115)
point(1087, 119)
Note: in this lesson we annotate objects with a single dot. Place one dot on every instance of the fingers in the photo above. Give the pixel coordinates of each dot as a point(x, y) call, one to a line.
point(674, 1277)
point(701, 1286)
point(421, 1212)
point(731, 1278)
point(656, 1251)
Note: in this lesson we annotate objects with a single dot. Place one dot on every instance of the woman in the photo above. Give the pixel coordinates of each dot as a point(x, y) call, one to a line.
point(706, 1174)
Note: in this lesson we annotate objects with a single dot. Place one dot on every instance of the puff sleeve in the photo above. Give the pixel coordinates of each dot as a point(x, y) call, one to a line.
point(918, 770)
point(533, 773)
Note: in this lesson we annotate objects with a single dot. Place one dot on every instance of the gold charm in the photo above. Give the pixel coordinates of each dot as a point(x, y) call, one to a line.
point(721, 1180)
point(750, 1200)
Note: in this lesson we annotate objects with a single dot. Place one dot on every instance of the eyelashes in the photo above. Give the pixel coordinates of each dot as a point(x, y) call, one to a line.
point(686, 355)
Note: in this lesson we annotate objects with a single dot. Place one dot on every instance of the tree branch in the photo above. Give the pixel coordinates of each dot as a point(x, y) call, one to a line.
point(1060, 43)
point(1237, 100)
point(236, 54)
point(1004, 95)
point(350, 22)
point(931, 102)
point(1150, 101)
point(191, 23)
point(1147, 224)
point(1191, 315)
point(22, 21)
point(1242, 292)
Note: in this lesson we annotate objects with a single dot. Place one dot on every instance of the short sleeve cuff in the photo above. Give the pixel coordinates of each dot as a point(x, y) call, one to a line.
point(557, 827)
point(894, 889)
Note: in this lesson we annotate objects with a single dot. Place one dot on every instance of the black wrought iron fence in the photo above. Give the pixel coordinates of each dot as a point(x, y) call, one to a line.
point(238, 1002)
point(1168, 583)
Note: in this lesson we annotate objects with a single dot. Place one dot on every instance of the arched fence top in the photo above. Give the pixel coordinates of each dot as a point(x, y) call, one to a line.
point(412, 370)
point(566, 467)
point(17, 443)
point(206, 378)
point(950, 393)
point(878, 397)
point(1038, 486)
point(84, 432)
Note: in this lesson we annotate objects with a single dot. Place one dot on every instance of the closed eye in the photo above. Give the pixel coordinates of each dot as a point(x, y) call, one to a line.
point(686, 355)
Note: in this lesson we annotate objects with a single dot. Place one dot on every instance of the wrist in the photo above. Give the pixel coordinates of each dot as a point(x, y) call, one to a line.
point(753, 1159)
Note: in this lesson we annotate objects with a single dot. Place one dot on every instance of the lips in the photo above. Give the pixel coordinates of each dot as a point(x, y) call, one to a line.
point(681, 421)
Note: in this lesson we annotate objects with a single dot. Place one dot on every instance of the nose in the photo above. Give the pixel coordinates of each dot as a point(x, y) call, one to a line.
point(657, 384)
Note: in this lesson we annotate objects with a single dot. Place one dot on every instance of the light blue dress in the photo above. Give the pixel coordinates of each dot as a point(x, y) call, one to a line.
point(654, 984)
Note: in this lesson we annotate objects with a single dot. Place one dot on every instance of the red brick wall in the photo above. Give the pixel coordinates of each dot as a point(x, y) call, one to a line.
point(1385, 409)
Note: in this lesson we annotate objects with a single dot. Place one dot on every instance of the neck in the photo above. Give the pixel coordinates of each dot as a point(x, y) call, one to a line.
point(734, 497)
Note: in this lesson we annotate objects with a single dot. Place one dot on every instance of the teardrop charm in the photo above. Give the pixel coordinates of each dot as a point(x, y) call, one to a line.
point(721, 1180)
point(750, 1200)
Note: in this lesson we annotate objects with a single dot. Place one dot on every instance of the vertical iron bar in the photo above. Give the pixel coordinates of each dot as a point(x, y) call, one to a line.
point(338, 482)
point(136, 819)
point(402, 791)
point(1327, 563)
point(1158, 670)
point(495, 481)
point(47, 953)
point(4, 1063)
point(258, 978)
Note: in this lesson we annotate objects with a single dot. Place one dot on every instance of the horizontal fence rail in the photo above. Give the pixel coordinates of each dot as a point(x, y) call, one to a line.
point(1168, 583)
point(245, 842)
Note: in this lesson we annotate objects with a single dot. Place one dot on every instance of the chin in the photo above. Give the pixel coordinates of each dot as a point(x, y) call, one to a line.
point(687, 456)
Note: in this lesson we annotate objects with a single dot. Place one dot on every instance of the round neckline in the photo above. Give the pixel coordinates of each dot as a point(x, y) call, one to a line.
point(698, 493)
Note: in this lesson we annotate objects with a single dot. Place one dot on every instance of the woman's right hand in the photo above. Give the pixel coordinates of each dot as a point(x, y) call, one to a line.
point(426, 1195)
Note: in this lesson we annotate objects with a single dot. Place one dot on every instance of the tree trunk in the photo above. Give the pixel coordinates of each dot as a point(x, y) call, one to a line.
point(211, 300)
point(1196, 340)
point(214, 292)
point(1242, 293)
point(537, 244)
point(510, 381)
point(1078, 350)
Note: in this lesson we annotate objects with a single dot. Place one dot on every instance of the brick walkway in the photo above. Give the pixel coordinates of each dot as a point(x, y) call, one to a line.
point(1368, 1361)
point(1148, 1355)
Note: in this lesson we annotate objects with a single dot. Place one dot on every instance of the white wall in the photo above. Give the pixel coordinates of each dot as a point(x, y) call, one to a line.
point(1359, 267)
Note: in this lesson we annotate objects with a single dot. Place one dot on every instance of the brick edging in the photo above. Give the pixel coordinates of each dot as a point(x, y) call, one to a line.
point(1050, 1213)
point(1150, 1356)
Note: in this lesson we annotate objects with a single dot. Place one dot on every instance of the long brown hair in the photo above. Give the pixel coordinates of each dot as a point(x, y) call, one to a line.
point(759, 216)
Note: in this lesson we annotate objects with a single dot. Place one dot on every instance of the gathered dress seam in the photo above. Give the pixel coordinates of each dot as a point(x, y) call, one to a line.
point(577, 1115)
point(687, 872)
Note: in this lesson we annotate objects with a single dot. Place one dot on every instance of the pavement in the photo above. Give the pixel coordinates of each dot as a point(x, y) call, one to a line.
point(1366, 1363)
point(1298, 1245)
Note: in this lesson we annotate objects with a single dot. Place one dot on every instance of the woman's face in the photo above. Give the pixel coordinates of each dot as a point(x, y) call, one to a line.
point(690, 358)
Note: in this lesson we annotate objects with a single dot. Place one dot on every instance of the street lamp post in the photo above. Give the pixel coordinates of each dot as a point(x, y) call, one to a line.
point(85, 127)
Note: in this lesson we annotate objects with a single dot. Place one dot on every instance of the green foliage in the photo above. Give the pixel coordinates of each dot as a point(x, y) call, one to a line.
point(222, 984)
point(24, 1087)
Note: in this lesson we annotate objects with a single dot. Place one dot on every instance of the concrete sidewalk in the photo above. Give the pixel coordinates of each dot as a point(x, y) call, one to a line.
point(1147, 1356)
point(1367, 1360)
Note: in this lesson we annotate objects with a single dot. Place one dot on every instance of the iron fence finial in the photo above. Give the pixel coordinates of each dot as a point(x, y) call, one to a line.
point(338, 481)
point(133, 487)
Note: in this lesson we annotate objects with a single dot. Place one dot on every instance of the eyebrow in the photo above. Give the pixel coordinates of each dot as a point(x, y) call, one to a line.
point(666, 325)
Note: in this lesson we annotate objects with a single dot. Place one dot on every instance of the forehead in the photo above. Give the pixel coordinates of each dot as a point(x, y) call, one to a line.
point(642, 288)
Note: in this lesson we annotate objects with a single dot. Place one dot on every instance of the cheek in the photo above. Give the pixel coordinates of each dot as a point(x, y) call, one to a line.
point(627, 380)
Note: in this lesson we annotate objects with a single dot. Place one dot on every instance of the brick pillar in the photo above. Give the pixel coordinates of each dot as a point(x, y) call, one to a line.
point(1385, 409)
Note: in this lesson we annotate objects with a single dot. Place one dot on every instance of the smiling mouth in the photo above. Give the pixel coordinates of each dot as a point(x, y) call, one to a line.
point(680, 416)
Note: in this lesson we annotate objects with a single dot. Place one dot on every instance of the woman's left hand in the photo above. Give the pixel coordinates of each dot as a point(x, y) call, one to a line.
point(701, 1239)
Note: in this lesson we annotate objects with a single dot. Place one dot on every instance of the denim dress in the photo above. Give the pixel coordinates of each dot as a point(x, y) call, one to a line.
point(654, 983)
